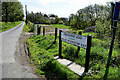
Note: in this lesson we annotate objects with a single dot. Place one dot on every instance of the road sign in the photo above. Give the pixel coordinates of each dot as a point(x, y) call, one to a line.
point(74, 39)
point(78, 40)
point(116, 16)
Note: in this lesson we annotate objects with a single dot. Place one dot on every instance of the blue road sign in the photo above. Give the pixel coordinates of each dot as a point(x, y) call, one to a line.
point(116, 16)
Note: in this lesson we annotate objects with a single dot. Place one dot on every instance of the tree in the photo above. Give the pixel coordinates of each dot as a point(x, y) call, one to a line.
point(88, 16)
point(5, 11)
point(35, 17)
point(45, 15)
point(52, 15)
point(12, 11)
point(57, 20)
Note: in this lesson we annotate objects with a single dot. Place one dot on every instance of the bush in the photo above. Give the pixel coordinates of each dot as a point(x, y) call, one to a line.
point(29, 27)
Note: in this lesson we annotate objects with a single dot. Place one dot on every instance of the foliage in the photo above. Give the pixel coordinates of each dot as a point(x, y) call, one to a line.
point(29, 27)
point(42, 18)
point(118, 34)
point(12, 11)
point(87, 16)
point(6, 26)
point(45, 19)
point(52, 15)
point(103, 28)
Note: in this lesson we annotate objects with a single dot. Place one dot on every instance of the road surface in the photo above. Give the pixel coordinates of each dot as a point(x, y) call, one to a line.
point(9, 67)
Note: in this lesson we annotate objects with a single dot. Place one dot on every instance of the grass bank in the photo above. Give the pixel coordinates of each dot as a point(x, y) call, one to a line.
point(6, 26)
point(42, 58)
point(43, 50)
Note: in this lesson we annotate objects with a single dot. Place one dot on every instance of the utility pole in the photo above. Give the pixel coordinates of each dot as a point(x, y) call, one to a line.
point(26, 13)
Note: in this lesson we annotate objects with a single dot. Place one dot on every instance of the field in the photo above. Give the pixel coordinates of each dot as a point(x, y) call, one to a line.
point(60, 26)
point(43, 50)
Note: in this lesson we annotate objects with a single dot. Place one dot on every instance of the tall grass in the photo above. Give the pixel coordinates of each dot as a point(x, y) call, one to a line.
point(42, 57)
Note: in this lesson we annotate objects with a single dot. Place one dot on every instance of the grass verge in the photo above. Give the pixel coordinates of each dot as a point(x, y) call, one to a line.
point(9, 25)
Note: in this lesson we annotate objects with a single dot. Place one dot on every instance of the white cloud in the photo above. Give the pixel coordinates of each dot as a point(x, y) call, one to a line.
point(47, 2)
point(44, 2)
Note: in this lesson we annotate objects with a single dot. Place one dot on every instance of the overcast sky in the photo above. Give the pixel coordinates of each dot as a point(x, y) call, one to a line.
point(62, 8)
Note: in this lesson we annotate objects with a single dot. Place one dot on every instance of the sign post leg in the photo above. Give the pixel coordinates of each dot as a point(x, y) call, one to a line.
point(60, 44)
point(88, 53)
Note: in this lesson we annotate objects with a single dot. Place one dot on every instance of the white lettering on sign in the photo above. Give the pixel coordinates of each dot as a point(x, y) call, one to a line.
point(74, 39)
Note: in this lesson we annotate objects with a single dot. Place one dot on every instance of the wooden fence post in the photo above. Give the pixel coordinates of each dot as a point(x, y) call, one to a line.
point(89, 37)
point(43, 31)
point(80, 33)
point(33, 27)
point(55, 34)
point(40, 29)
point(60, 44)
point(37, 29)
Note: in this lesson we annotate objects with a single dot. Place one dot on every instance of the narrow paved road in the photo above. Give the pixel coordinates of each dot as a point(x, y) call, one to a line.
point(8, 66)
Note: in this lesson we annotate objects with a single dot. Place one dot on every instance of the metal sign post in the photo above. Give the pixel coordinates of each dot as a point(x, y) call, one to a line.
point(116, 16)
point(114, 26)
